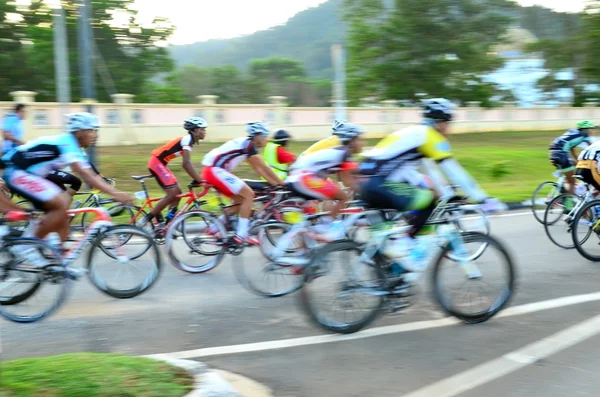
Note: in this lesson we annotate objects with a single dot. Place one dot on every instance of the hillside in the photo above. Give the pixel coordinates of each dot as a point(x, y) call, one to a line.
point(308, 37)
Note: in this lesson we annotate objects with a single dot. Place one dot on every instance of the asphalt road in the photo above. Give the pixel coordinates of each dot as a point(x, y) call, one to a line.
point(539, 346)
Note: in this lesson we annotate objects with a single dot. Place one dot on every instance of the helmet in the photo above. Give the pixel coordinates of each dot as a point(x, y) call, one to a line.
point(438, 109)
point(281, 136)
point(257, 128)
point(346, 131)
point(194, 122)
point(82, 121)
point(585, 124)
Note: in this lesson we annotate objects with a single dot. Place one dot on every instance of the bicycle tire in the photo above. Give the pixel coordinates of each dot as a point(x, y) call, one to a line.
point(180, 264)
point(534, 199)
point(546, 223)
point(494, 308)
point(240, 266)
point(101, 285)
point(310, 276)
point(57, 270)
point(576, 223)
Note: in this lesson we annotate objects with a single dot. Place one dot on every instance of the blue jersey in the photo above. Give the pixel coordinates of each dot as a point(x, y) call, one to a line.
point(44, 155)
point(569, 140)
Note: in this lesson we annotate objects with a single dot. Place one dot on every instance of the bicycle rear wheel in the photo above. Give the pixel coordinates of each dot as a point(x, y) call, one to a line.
point(587, 218)
point(110, 242)
point(321, 267)
point(541, 197)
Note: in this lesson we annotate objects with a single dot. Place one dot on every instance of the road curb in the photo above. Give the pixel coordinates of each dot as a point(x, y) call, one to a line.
point(218, 383)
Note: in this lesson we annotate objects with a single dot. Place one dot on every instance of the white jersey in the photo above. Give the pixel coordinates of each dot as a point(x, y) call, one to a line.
point(322, 161)
point(592, 152)
point(230, 154)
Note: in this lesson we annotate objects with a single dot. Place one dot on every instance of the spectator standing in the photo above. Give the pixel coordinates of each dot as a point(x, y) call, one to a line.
point(14, 128)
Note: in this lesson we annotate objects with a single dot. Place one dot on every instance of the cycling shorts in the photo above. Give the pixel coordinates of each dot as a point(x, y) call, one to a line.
point(62, 179)
point(225, 182)
point(163, 175)
point(401, 196)
point(311, 186)
point(38, 190)
point(561, 160)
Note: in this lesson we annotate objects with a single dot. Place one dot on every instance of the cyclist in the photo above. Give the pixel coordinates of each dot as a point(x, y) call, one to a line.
point(157, 165)
point(588, 166)
point(275, 155)
point(221, 161)
point(565, 144)
point(395, 183)
point(308, 176)
point(28, 165)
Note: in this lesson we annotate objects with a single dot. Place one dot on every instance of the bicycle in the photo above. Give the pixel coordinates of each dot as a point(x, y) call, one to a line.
point(58, 268)
point(562, 202)
point(543, 200)
point(393, 290)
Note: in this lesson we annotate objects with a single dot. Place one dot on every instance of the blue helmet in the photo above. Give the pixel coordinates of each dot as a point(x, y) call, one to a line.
point(82, 121)
point(257, 128)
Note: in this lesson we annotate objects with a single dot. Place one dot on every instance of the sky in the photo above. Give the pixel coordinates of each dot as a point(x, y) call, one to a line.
point(217, 19)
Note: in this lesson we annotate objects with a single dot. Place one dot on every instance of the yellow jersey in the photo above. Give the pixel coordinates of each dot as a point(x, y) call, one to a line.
point(327, 143)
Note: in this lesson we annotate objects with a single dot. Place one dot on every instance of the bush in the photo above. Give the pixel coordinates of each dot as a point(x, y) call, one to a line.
point(498, 169)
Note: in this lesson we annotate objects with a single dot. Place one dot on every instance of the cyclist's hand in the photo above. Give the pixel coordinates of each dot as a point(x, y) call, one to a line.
point(124, 198)
point(493, 205)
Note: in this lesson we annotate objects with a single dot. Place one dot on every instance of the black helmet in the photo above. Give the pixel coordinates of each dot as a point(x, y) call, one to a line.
point(281, 137)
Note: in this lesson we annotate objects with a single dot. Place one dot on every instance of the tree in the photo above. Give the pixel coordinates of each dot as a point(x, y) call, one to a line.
point(128, 48)
point(398, 49)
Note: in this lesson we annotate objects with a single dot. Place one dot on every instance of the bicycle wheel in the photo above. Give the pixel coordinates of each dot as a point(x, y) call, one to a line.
point(246, 271)
point(558, 219)
point(541, 197)
point(588, 219)
point(15, 270)
point(506, 289)
point(348, 283)
point(87, 218)
point(122, 253)
point(193, 227)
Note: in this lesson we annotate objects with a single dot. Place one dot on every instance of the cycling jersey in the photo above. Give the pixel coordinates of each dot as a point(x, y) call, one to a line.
point(229, 155)
point(586, 168)
point(174, 148)
point(397, 156)
point(569, 140)
point(44, 155)
point(323, 161)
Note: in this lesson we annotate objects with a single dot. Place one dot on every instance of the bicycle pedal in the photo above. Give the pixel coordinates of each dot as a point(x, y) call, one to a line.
point(397, 304)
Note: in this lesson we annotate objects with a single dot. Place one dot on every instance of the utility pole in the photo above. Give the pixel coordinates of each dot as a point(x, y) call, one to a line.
point(86, 57)
point(339, 83)
point(61, 60)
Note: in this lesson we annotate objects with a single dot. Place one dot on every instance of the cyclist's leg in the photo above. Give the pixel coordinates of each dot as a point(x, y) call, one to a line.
point(563, 162)
point(66, 181)
point(168, 183)
point(45, 196)
point(239, 192)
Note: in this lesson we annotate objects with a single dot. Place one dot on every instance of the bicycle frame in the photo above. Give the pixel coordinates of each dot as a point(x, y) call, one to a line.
point(103, 221)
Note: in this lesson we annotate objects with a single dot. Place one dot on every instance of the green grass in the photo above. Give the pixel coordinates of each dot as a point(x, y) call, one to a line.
point(92, 375)
point(524, 155)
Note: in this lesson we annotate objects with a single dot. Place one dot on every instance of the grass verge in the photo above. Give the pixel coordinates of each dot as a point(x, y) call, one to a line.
point(508, 165)
point(92, 375)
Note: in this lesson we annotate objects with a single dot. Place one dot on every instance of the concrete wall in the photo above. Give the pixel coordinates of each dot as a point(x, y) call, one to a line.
point(127, 123)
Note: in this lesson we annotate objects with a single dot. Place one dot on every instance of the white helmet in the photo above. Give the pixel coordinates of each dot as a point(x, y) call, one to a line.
point(194, 122)
point(82, 121)
point(438, 109)
point(346, 131)
point(257, 128)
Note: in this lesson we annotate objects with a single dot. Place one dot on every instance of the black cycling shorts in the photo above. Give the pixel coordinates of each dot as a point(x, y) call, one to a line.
point(62, 179)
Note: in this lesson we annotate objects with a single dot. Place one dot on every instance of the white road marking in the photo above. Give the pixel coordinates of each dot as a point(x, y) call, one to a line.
point(371, 332)
point(510, 362)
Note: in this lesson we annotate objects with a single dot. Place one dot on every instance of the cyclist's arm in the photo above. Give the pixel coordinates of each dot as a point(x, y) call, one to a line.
point(440, 183)
point(95, 181)
point(257, 163)
point(6, 204)
point(188, 167)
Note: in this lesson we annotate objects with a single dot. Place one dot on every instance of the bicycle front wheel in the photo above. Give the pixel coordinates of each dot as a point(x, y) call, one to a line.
point(128, 261)
point(469, 276)
point(41, 287)
point(558, 219)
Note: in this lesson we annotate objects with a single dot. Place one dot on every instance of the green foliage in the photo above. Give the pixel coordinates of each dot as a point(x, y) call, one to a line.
point(498, 169)
point(128, 49)
point(437, 47)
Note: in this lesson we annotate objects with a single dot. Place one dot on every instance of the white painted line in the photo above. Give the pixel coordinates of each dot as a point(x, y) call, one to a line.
point(510, 362)
point(371, 332)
